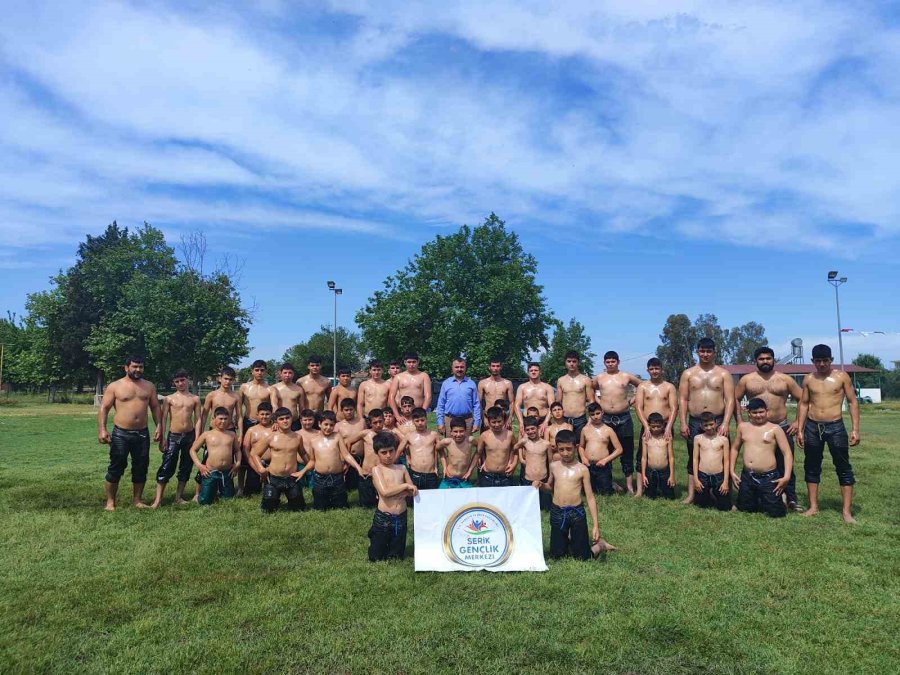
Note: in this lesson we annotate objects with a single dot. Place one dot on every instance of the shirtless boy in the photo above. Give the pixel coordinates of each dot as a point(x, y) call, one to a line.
point(314, 385)
point(308, 432)
point(612, 388)
point(457, 455)
point(420, 447)
point(285, 448)
point(534, 455)
point(773, 388)
point(534, 393)
point(570, 482)
point(223, 458)
point(594, 449)
point(494, 387)
point(130, 395)
point(340, 393)
point(224, 397)
point(262, 429)
point(654, 396)
point(404, 423)
point(327, 456)
point(497, 460)
point(712, 469)
point(373, 393)
point(705, 387)
point(387, 536)
point(413, 383)
point(658, 467)
point(287, 394)
point(182, 410)
point(347, 427)
point(760, 484)
point(366, 488)
point(556, 424)
point(574, 390)
point(252, 393)
point(819, 421)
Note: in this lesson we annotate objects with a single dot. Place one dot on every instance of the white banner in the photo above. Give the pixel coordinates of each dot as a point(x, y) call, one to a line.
point(464, 530)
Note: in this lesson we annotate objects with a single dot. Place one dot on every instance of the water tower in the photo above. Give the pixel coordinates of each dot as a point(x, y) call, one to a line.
point(797, 350)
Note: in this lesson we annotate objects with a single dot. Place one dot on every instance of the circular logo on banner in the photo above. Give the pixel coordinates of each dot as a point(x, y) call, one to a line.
point(478, 535)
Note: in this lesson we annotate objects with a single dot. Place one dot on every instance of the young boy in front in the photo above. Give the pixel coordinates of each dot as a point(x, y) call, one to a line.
point(387, 536)
point(534, 453)
point(253, 435)
point(594, 450)
point(366, 488)
point(711, 468)
point(760, 484)
point(182, 410)
point(658, 462)
point(223, 458)
point(286, 453)
point(406, 408)
point(327, 455)
point(497, 461)
point(569, 481)
point(457, 456)
point(420, 447)
point(555, 424)
point(341, 393)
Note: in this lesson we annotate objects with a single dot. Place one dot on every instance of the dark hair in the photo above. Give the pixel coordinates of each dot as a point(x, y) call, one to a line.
point(259, 363)
point(328, 415)
point(707, 417)
point(821, 352)
point(375, 363)
point(495, 412)
point(555, 404)
point(532, 407)
point(282, 412)
point(387, 411)
point(375, 414)
point(457, 422)
point(565, 436)
point(410, 356)
point(344, 371)
point(611, 355)
point(221, 411)
point(706, 343)
point(530, 422)
point(134, 358)
point(228, 370)
point(763, 350)
point(314, 358)
point(593, 407)
point(287, 365)
point(404, 399)
point(502, 403)
point(347, 403)
point(307, 412)
point(181, 373)
point(419, 413)
point(572, 354)
point(756, 404)
point(384, 440)
point(653, 361)
point(496, 359)
point(534, 364)
point(395, 362)
point(655, 418)
point(265, 405)
point(460, 359)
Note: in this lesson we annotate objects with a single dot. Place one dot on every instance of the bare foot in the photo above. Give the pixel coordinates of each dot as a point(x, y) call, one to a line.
point(140, 505)
point(688, 500)
point(154, 505)
point(617, 487)
point(811, 511)
point(110, 506)
point(848, 518)
point(601, 546)
point(179, 501)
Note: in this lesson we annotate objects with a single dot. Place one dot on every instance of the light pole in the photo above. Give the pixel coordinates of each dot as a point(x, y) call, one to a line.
point(834, 281)
point(337, 292)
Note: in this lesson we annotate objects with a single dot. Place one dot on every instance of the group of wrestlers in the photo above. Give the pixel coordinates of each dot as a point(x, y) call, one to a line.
point(306, 431)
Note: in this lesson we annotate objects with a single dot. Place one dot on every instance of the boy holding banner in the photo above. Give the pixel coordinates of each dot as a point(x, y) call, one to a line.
point(387, 536)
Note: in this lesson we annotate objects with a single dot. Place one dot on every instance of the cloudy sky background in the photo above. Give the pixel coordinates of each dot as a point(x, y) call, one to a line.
point(655, 157)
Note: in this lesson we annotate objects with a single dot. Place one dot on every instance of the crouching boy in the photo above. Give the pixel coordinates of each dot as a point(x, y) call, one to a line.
point(387, 536)
point(761, 483)
point(286, 454)
point(223, 459)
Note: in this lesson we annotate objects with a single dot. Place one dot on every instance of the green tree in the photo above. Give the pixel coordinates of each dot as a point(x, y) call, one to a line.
point(472, 292)
point(869, 361)
point(566, 338)
point(742, 341)
point(676, 349)
point(351, 353)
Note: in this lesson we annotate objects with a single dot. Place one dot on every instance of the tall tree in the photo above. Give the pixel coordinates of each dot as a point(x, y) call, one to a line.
point(351, 353)
point(676, 349)
point(472, 292)
point(566, 338)
point(742, 341)
point(873, 362)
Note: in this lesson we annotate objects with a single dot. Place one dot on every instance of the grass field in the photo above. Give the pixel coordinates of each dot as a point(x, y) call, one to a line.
point(225, 589)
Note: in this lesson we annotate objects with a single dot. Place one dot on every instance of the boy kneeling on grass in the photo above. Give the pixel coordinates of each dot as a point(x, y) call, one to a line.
point(761, 483)
point(657, 465)
point(223, 458)
point(286, 454)
point(387, 536)
point(570, 481)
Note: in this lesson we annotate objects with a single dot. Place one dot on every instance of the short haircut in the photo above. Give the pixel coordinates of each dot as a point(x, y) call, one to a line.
point(821, 352)
point(410, 356)
point(407, 399)
point(384, 440)
point(655, 418)
point(220, 412)
point(457, 422)
point(259, 363)
point(134, 358)
point(502, 403)
point(314, 358)
point(282, 412)
point(265, 405)
point(387, 411)
point(593, 407)
point(566, 436)
point(534, 364)
point(344, 371)
point(395, 362)
point(419, 413)
point(496, 359)
point(653, 361)
point(756, 404)
point(228, 370)
point(707, 417)
point(555, 404)
point(347, 403)
point(328, 415)
point(495, 412)
point(307, 413)
point(572, 354)
point(460, 359)
point(763, 350)
point(287, 365)
point(530, 422)
point(530, 408)
point(706, 343)
point(611, 355)
point(375, 363)
point(181, 374)
point(375, 414)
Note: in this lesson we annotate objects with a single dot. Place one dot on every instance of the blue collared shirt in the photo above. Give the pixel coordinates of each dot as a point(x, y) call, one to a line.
point(458, 398)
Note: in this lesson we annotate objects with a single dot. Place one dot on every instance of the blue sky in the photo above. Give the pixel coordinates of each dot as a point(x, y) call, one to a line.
point(655, 157)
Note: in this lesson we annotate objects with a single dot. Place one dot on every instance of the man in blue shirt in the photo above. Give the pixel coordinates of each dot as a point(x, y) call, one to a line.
point(459, 398)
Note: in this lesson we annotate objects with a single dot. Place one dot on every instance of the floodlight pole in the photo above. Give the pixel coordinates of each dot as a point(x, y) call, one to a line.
point(337, 292)
point(834, 281)
point(1, 366)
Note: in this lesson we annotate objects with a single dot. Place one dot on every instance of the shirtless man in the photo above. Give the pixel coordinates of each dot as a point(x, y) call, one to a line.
point(182, 410)
point(497, 460)
point(287, 394)
point(252, 393)
point(705, 387)
point(366, 489)
point(654, 396)
point(387, 536)
point(224, 397)
point(612, 387)
point(373, 393)
point(315, 386)
point(773, 388)
point(285, 449)
point(414, 383)
point(596, 440)
point(819, 421)
point(534, 456)
point(760, 484)
point(574, 391)
point(420, 447)
point(534, 393)
point(341, 392)
point(222, 461)
point(327, 457)
point(130, 395)
point(349, 426)
point(258, 432)
point(457, 455)
point(494, 387)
